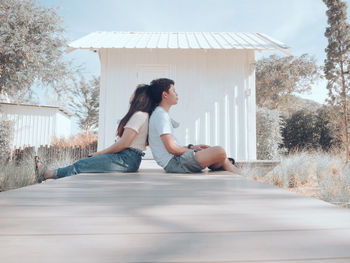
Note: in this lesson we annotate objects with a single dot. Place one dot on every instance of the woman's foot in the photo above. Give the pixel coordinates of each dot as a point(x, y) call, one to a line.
point(40, 169)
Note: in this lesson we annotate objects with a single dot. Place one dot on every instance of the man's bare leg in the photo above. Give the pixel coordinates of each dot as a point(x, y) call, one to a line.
point(215, 156)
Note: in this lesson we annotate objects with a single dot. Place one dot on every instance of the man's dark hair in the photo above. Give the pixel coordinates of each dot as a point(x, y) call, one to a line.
point(157, 87)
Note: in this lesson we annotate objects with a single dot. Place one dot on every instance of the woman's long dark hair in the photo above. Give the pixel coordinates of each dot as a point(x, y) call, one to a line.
point(141, 102)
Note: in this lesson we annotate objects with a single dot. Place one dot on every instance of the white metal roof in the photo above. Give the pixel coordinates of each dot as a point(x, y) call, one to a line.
point(69, 114)
point(178, 40)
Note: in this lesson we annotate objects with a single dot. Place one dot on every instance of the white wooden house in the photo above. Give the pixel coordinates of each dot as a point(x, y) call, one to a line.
point(36, 125)
point(214, 76)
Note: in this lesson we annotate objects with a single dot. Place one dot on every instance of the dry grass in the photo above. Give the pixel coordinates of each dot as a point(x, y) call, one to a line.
point(80, 139)
point(15, 175)
point(321, 175)
point(19, 173)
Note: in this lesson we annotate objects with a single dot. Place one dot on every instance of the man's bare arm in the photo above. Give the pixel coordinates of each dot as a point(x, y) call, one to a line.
point(171, 146)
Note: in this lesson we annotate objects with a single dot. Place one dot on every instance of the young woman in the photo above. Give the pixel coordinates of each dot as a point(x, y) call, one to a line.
point(124, 155)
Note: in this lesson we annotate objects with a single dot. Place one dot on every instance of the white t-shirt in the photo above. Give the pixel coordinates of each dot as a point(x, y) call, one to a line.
point(160, 123)
point(139, 123)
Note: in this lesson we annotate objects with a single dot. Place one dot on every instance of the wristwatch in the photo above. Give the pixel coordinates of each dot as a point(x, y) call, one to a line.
point(189, 146)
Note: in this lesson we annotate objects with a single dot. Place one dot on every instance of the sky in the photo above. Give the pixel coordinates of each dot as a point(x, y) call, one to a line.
point(300, 24)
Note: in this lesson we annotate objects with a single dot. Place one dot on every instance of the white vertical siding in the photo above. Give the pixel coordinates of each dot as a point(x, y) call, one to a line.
point(216, 94)
point(208, 125)
point(103, 106)
point(216, 123)
point(251, 107)
point(34, 126)
point(63, 125)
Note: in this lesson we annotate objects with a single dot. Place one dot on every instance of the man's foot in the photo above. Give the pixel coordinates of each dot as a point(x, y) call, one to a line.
point(232, 160)
point(40, 169)
point(221, 168)
point(230, 167)
point(235, 170)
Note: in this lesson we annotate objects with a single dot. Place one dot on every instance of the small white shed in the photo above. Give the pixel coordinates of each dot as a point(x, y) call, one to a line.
point(214, 76)
point(36, 125)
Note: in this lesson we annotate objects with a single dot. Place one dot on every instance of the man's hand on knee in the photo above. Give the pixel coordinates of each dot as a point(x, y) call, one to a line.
point(199, 147)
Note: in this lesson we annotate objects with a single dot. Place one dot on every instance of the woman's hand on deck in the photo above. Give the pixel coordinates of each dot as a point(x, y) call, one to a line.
point(92, 154)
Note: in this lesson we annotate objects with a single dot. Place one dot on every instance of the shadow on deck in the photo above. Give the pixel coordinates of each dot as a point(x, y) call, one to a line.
point(151, 216)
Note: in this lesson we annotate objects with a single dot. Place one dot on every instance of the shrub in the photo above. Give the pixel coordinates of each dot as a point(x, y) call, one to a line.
point(268, 131)
point(6, 134)
point(299, 132)
point(305, 130)
point(328, 126)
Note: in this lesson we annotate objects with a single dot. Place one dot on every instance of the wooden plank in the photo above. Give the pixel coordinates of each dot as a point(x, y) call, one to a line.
point(178, 247)
point(151, 216)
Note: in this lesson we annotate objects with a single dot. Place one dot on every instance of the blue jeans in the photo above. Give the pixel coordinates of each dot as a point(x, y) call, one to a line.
point(127, 160)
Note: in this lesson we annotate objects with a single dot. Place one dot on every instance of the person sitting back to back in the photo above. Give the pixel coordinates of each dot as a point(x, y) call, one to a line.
point(166, 149)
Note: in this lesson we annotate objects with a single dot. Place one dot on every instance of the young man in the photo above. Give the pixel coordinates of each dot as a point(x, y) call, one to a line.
point(166, 149)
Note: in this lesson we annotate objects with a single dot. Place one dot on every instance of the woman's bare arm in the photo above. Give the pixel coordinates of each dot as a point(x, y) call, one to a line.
point(124, 142)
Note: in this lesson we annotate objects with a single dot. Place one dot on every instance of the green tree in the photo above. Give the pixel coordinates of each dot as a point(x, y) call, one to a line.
point(279, 77)
point(84, 102)
point(31, 48)
point(305, 130)
point(268, 134)
point(299, 132)
point(328, 127)
point(337, 64)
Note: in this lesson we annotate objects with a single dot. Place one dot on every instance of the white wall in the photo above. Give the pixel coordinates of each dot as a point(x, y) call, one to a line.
point(35, 126)
point(63, 125)
point(216, 94)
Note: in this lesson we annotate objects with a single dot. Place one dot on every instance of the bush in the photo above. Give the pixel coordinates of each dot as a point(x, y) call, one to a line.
point(328, 126)
point(6, 134)
point(268, 131)
point(305, 130)
point(298, 131)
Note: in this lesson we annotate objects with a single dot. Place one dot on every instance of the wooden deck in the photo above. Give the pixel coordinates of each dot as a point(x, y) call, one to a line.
point(151, 216)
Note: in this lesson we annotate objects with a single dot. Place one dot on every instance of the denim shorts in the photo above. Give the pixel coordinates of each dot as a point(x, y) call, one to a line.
point(185, 163)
